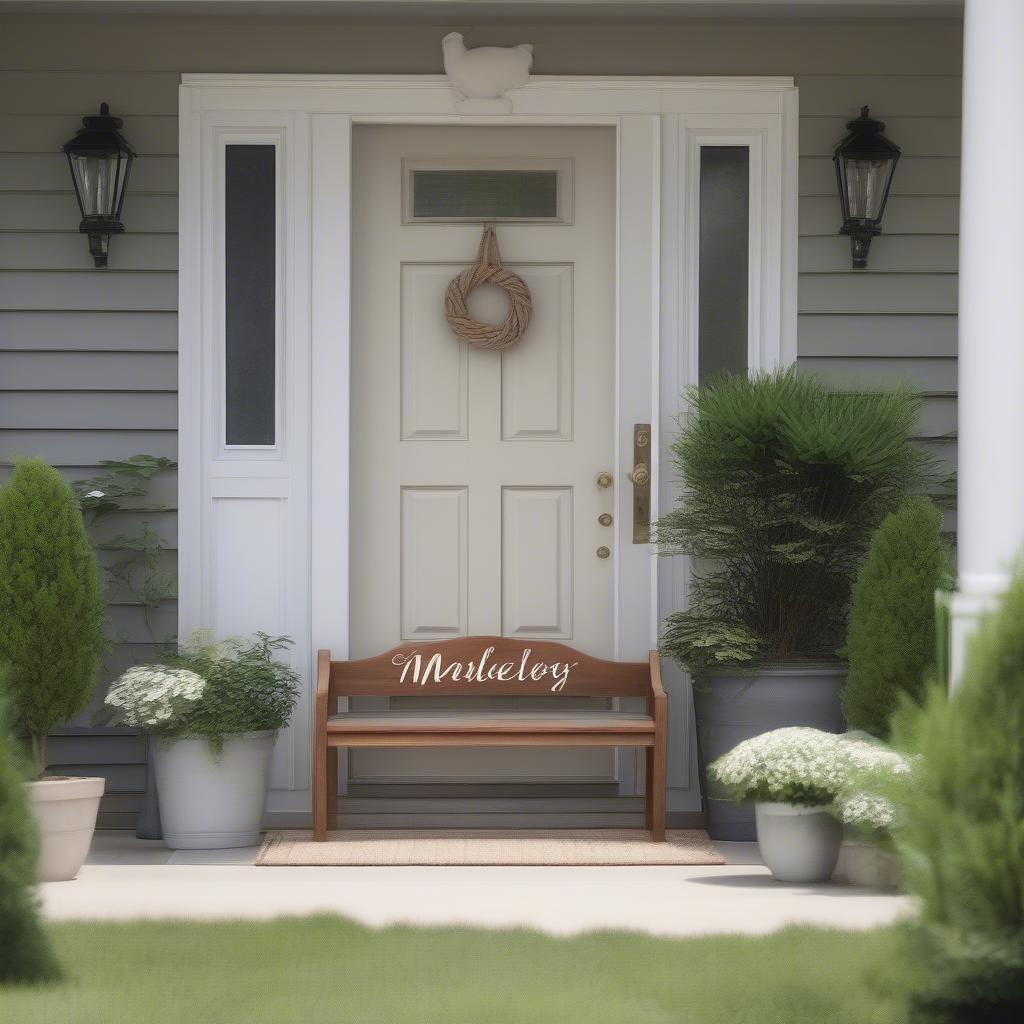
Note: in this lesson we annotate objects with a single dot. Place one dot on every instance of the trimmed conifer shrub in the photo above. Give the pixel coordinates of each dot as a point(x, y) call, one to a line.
point(784, 481)
point(891, 640)
point(962, 838)
point(51, 610)
point(25, 954)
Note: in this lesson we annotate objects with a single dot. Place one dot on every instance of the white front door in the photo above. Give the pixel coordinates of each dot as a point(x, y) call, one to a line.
point(476, 507)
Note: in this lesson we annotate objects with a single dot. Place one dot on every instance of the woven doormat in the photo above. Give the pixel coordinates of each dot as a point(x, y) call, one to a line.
point(389, 847)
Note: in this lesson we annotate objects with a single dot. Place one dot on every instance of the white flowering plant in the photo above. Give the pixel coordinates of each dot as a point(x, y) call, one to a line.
point(850, 774)
point(153, 697)
point(791, 766)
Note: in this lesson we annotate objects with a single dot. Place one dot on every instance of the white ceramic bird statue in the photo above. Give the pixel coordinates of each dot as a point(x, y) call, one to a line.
point(481, 77)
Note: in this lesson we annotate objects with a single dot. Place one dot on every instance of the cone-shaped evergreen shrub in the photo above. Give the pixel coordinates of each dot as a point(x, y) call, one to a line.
point(784, 481)
point(25, 954)
point(51, 611)
point(891, 641)
point(962, 842)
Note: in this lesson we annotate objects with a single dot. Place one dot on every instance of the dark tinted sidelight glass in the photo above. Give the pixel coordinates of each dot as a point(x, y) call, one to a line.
point(724, 239)
point(250, 273)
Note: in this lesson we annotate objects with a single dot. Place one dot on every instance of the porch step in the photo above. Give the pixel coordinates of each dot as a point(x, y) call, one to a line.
point(476, 812)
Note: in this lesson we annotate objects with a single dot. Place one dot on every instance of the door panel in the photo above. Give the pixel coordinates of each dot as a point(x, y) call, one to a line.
point(475, 508)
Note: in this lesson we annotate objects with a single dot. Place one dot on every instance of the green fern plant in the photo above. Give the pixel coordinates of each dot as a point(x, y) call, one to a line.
point(51, 609)
point(891, 640)
point(784, 481)
point(962, 835)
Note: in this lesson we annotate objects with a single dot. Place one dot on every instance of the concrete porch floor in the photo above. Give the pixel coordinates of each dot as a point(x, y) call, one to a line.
point(126, 878)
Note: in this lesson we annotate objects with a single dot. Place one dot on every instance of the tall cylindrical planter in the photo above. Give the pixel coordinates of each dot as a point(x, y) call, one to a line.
point(798, 844)
point(731, 708)
point(211, 800)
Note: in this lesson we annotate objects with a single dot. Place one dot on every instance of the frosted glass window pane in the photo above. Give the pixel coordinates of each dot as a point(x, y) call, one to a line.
point(250, 274)
point(485, 195)
point(724, 231)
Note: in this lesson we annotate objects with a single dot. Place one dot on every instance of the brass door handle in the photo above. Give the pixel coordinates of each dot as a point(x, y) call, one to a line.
point(641, 477)
point(604, 479)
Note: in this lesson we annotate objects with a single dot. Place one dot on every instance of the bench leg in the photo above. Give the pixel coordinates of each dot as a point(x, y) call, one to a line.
point(320, 788)
point(332, 788)
point(659, 759)
point(648, 788)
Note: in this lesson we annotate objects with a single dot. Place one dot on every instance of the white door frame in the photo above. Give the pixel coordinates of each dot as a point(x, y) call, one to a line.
point(263, 540)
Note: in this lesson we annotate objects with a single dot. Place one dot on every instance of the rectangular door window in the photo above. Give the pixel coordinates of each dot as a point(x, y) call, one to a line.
point(724, 248)
point(250, 279)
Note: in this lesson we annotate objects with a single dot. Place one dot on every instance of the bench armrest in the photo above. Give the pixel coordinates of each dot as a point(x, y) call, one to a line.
point(658, 700)
point(323, 686)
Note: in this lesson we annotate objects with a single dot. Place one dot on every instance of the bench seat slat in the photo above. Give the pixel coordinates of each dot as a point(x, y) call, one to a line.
point(492, 721)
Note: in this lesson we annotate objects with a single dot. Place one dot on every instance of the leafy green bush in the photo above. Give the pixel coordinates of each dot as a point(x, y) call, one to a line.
point(891, 642)
point(246, 689)
point(784, 481)
point(25, 954)
point(962, 838)
point(51, 610)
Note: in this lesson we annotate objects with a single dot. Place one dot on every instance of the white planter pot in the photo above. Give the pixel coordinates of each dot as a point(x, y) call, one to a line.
point(798, 844)
point(66, 811)
point(863, 863)
point(212, 801)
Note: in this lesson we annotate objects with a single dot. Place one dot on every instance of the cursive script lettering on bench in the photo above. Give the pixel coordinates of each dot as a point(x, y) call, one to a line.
point(433, 669)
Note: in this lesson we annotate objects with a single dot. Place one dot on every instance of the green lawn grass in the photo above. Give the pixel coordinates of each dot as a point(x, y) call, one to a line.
point(327, 969)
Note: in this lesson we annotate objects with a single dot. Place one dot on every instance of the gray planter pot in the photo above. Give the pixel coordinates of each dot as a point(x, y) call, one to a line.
point(148, 824)
point(798, 844)
point(211, 801)
point(732, 708)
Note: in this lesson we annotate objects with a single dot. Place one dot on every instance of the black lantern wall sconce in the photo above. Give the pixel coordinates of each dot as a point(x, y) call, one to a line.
point(865, 161)
point(100, 160)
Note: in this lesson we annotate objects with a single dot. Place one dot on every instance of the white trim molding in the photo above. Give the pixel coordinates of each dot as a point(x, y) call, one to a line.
point(264, 533)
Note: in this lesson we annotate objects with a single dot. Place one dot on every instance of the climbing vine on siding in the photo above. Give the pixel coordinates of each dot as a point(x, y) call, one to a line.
point(139, 569)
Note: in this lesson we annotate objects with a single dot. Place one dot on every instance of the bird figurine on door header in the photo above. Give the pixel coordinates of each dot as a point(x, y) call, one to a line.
point(481, 77)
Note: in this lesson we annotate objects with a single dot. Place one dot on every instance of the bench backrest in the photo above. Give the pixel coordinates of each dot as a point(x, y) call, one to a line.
point(489, 666)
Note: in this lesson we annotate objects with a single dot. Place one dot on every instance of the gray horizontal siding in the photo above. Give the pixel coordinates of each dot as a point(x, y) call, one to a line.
point(92, 331)
point(63, 250)
point(87, 358)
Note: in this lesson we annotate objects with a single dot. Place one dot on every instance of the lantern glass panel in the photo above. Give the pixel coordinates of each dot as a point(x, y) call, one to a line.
point(866, 182)
point(98, 183)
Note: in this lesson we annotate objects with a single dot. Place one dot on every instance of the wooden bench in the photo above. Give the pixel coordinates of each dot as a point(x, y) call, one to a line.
point(486, 666)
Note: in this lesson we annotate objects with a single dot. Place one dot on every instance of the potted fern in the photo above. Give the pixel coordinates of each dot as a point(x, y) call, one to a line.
point(784, 481)
point(51, 637)
point(212, 711)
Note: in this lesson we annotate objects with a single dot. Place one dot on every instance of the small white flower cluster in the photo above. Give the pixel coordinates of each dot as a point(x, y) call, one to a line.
point(866, 811)
point(872, 766)
point(793, 765)
point(151, 696)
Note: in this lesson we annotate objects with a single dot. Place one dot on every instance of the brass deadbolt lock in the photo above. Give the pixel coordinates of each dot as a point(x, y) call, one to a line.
point(605, 519)
point(603, 552)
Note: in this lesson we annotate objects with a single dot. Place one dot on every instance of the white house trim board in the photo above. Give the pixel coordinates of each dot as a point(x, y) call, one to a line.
point(264, 533)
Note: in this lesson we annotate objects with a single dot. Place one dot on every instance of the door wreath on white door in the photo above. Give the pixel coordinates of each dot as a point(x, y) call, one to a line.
point(488, 270)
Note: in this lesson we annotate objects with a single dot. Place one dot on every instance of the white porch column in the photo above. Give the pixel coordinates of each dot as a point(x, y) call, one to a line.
point(991, 347)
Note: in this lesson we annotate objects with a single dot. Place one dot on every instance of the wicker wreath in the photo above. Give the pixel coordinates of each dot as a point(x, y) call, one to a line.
point(488, 270)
